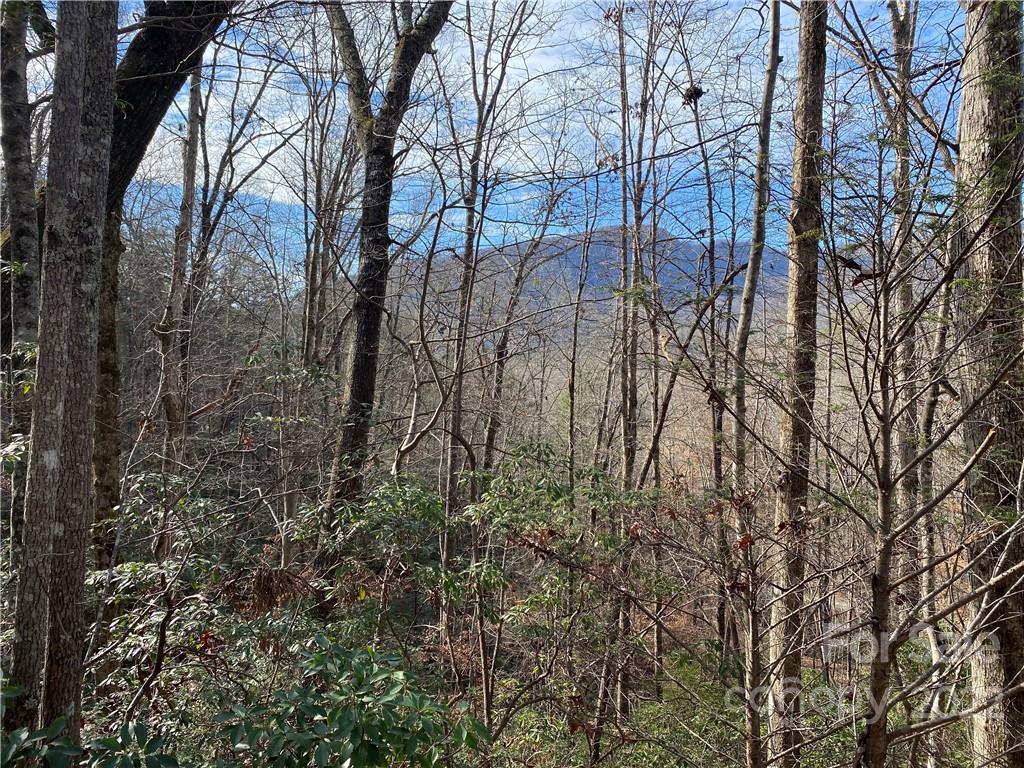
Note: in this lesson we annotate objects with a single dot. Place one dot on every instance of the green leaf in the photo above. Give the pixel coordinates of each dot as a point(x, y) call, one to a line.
point(54, 728)
point(481, 731)
point(276, 746)
point(411, 743)
point(321, 755)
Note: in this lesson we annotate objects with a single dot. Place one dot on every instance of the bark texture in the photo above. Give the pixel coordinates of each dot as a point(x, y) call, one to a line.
point(107, 440)
point(799, 386)
point(991, 135)
point(65, 647)
point(58, 505)
point(152, 71)
point(155, 66)
point(20, 291)
point(19, 284)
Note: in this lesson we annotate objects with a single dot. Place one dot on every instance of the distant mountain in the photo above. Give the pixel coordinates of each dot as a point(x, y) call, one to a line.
point(680, 262)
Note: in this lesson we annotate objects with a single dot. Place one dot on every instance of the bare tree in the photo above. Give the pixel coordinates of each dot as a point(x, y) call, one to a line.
point(753, 663)
point(169, 328)
point(155, 65)
point(799, 388)
point(376, 132)
point(762, 188)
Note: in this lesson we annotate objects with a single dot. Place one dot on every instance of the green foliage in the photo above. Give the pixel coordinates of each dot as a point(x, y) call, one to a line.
point(24, 747)
point(529, 492)
point(10, 269)
point(401, 503)
point(396, 514)
point(20, 366)
point(354, 708)
point(689, 726)
point(131, 747)
point(12, 452)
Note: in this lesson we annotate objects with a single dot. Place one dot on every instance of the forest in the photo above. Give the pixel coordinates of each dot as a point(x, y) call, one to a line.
point(512, 383)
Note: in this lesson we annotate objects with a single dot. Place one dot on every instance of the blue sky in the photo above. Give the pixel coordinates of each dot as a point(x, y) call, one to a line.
point(562, 79)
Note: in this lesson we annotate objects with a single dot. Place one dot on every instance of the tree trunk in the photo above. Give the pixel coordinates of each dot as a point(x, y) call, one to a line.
point(627, 353)
point(927, 543)
point(745, 509)
point(107, 444)
point(896, 419)
point(628, 403)
point(798, 390)
point(762, 182)
point(172, 387)
point(58, 505)
point(150, 74)
point(375, 134)
point(21, 310)
point(65, 649)
point(170, 43)
point(19, 286)
point(903, 20)
point(493, 424)
point(991, 135)
point(154, 67)
point(367, 313)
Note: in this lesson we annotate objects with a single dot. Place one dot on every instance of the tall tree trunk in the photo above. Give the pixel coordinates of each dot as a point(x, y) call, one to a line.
point(896, 419)
point(106, 457)
point(21, 294)
point(467, 283)
point(151, 73)
point(762, 187)
point(798, 390)
point(19, 286)
point(743, 503)
point(170, 329)
point(604, 690)
point(627, 353)
point(58, 505)
point(926, 487)
point(903, 20)
point(65, 648)
point(375, 133)
point(172, 387)
point(628, 356)
point(991, 135)
point(873, 745)
point(367, 313)
point(574, 343)
point(755, 757)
